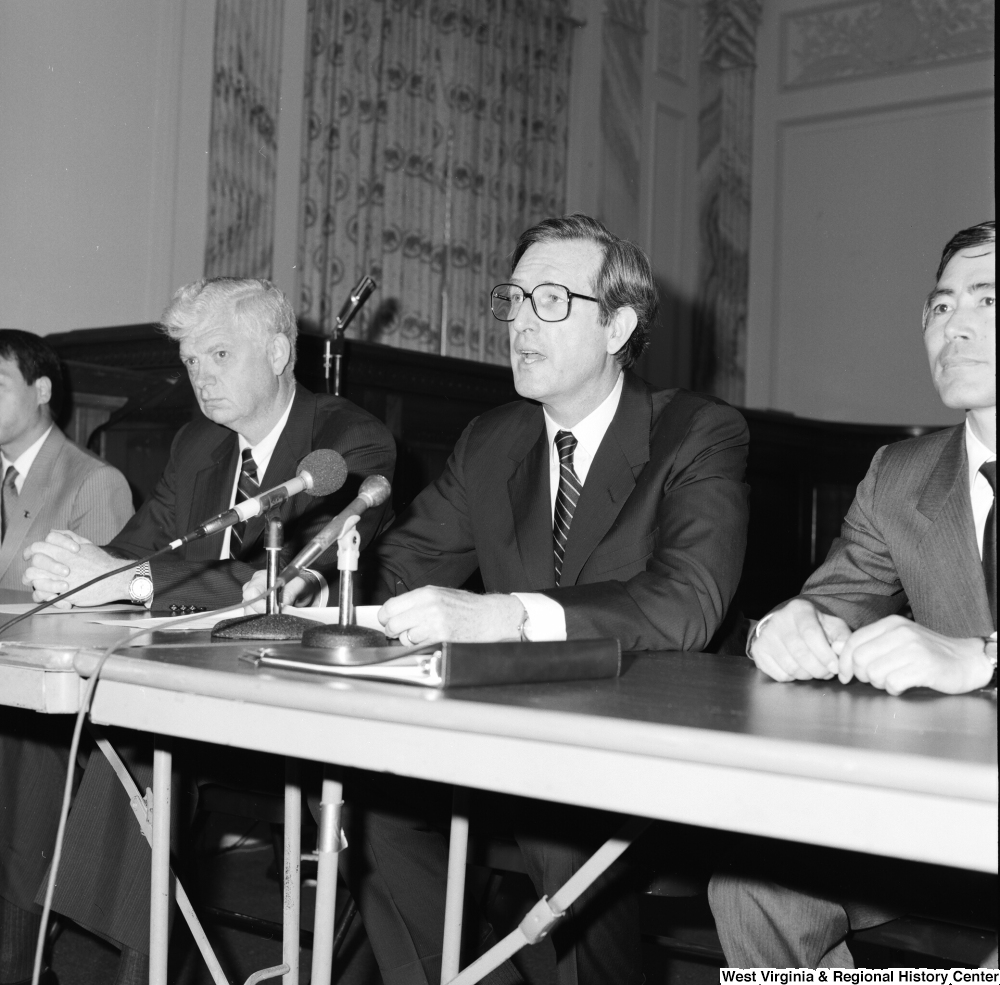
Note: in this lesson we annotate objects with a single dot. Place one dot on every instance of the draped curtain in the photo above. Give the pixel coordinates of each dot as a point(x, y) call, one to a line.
point(436, 133)
point(243, 147)
point(725, 138)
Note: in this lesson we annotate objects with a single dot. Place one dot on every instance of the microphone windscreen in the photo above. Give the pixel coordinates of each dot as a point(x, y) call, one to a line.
point(327, 468)
point(375, 490)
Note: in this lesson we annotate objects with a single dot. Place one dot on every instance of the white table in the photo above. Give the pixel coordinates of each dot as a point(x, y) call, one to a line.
point(691, 738)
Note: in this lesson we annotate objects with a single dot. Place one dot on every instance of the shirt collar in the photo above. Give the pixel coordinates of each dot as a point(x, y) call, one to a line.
point(26, 459)
point(976, 452)
point(589, 432)
point(264, 449)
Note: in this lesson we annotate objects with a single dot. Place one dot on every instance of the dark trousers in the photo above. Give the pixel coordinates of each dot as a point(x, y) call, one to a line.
point(34, 754)
point(398, 869)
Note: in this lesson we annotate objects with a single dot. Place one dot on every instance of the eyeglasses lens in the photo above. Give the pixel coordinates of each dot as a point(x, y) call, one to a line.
point(505, 301)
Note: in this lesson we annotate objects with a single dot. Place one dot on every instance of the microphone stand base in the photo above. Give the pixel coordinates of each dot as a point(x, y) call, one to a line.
point(325, 636)
point(273, 626)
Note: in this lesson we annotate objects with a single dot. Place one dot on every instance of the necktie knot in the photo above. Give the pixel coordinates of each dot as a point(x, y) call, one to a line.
point(248, 465)
point(566, 446)
point(989, 471)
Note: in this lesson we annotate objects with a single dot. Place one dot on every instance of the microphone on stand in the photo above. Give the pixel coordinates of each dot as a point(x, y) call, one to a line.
point(320, 473)
point(374, 491)
point(360, 293)
point(333, 351)
point(341, 639)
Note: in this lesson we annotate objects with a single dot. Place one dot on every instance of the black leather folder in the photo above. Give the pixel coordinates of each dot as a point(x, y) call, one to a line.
point(447, 665)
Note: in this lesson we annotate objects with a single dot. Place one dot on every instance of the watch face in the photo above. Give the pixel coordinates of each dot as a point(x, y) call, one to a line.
point(141, 588)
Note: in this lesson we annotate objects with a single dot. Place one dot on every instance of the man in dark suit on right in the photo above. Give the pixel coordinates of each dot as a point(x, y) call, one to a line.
point(597, 506)
point(921, 532)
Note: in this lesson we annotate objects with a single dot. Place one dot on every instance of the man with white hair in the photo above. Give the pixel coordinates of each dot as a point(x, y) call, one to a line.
point(237, 342)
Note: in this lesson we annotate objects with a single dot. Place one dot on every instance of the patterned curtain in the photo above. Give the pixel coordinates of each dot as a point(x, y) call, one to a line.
point(725, 131)
point(436, 133)
point(243, 146)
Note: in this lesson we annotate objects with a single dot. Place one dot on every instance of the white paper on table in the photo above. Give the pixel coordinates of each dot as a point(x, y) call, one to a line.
point(364, 615)
point(19, 608)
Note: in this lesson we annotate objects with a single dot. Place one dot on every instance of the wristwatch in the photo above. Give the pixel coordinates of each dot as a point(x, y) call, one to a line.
point(140, 589)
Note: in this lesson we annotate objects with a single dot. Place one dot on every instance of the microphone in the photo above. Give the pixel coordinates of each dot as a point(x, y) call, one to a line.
point(360, 293)
point(320, 473)
point(374, 491)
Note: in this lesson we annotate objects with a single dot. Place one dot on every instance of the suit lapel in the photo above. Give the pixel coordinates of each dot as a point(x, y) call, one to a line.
point(212, 489)
point(32, 498)
point(530, 502)
point(951, 535)
point(293, 445)
point(611, 479)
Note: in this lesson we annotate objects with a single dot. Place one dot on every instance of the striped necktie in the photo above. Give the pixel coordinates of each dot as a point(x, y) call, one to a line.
point(246, 488)
point(567, 497)
point(989, 470)
point(8, 499)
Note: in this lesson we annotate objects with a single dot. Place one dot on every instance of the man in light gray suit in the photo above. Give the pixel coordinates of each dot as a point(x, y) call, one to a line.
point(46, 482)
point(921, 532)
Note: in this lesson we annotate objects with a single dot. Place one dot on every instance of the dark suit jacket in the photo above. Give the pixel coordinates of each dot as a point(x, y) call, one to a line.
point(656, 545)
point(197, 484)
point(104, 878)
point(67, 488)
point(909, 537)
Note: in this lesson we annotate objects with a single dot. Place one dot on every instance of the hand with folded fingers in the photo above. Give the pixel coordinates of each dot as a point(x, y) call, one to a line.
point(799, 642)
point(66, 559)
point(895, 654)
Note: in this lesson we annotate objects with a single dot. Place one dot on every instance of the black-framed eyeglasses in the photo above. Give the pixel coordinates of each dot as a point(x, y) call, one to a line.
point(552, 302)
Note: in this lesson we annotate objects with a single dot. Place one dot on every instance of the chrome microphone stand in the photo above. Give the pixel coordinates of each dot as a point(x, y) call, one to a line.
point(274, 624)
point(346, 634)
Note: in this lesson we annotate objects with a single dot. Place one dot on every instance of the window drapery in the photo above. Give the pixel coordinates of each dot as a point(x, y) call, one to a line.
point(243, 146)
point(435, 134)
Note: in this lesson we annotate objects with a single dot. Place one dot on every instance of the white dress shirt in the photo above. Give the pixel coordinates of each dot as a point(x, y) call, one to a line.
point(262, 452)
point(24, 461)
point(546, 617)
point(979, 489)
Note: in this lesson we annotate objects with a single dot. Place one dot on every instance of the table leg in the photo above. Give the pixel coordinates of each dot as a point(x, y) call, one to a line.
point(291, 884)
point(544, 915)
point(159, 895)
point(327, 848)
point(458, 850)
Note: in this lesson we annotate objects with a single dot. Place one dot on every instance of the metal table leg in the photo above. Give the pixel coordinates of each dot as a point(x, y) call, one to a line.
point(546, 913)
point(159, 895)
point(458, 850)
point(329, 844)
point(291, 884)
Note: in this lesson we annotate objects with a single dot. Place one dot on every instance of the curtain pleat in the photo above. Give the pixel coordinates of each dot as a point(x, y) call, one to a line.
point(243, 147)
point(435, 134)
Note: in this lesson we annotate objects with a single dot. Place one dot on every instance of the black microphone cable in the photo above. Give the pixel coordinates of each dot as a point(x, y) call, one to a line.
point(133, 563)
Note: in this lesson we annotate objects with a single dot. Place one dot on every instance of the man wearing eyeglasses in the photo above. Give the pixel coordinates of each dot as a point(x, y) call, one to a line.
point(595, 507)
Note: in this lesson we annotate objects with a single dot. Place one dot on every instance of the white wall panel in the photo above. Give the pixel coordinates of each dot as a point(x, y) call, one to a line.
point(865, 202)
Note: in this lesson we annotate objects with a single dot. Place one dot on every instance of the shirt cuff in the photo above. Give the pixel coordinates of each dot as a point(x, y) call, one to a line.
point(546, 617)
